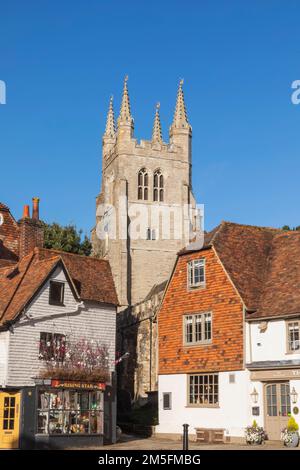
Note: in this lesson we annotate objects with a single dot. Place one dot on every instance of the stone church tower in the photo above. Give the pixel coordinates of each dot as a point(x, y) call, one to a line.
point(145, 211)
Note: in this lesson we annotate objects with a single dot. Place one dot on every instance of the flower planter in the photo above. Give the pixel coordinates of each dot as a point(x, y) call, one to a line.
point(255, 435)
point(291, 439)
point(255, 440)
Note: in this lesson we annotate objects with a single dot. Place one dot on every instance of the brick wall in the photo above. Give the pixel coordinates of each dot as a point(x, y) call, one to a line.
point(31, 236)
point(219, 297)
point(9, 233)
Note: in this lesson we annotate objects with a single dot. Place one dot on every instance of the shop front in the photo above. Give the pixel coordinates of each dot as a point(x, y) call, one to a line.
point(58, 414)
point(280, 398)
point(70, 409)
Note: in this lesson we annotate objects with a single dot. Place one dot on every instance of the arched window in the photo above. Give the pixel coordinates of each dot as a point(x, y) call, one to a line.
point(143, 183)
point(158, 186)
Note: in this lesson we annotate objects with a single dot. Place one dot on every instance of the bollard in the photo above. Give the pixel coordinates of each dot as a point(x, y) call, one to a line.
point(185, 437)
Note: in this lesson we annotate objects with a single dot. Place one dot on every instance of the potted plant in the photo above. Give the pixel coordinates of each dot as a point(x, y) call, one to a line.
point(290, 434)
point(255, 434)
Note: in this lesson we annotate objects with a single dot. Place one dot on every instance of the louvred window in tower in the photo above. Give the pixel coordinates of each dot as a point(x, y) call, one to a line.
point(158, 186)
point(143, 183)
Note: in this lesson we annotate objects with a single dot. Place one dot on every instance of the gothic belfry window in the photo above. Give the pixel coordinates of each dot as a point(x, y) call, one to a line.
point(143, 182)
point(158, 186)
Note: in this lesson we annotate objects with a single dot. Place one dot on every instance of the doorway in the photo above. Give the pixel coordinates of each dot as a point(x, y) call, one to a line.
point(277, 408)
point(9, 420)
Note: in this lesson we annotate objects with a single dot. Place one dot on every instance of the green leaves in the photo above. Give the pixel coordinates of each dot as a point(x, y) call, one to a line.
point(68, 238)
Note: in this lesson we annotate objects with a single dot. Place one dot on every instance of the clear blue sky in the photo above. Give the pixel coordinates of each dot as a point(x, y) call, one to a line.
point(61, 60)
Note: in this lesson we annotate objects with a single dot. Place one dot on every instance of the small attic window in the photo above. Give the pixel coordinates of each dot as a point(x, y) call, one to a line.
point(56, 293)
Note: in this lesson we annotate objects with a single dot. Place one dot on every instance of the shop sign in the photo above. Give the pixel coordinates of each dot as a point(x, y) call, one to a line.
point(75, 384)
point(275, 374)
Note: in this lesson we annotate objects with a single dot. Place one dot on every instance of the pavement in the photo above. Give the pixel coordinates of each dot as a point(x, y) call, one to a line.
point(131, 442)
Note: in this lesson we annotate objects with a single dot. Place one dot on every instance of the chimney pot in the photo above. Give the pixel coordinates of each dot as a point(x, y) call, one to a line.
point(26, 214)
point(35, 208)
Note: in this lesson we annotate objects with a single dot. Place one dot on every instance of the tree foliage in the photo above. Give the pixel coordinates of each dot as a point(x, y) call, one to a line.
point(287, 227)
point(68, 238)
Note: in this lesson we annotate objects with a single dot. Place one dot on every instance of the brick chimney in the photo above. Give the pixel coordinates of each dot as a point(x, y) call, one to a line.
point(31, 229)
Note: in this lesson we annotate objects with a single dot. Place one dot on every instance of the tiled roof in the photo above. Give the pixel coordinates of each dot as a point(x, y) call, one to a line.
point(20, 281)
point(281, 289)
point(91, 276)
point(263, 264)
point(3, 207)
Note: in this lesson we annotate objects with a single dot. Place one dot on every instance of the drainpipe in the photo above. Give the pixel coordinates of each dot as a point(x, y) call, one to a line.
point(150, 361)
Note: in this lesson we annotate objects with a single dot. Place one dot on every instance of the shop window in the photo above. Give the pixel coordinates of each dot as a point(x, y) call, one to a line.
point(70, 412)
point(203, 390)
point(52, 347)
point(167, 404)
point(197, 328)
point(196, 273)
point(56, 293)
point(293, 339)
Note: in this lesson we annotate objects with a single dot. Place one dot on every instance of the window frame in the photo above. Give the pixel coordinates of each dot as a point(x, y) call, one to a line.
point(53, 337)
point(49, 411)
point(158, 186)
point(200, 284)
point(169, 394)
point(204, 405)
point(61, 302)
point(289, 350)
point(203, 341)
point(143, 185)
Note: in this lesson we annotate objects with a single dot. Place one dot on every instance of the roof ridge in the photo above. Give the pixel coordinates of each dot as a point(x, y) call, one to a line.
point(261, 227)
point(61, 252)
point(217, 230)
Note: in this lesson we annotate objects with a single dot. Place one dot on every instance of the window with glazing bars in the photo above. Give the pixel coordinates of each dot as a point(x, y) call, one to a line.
point(143, 185)
point(293, 341)
point(203, 390)
point(197, 328)
point(196, 273)
point(158, 186)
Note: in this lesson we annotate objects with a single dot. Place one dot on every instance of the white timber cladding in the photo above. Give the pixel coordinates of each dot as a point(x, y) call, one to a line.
point(233, 413)
point(267, 341)
point(4, 339)
point(95, 321)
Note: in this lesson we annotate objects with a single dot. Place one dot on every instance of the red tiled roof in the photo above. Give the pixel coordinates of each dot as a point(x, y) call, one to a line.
point(91, 276)
point(263, 264)
point(281, 289)
point(20, 281)
point(3, 207)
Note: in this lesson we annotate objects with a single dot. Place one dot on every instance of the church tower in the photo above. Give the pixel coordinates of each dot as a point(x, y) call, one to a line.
point(146, 205)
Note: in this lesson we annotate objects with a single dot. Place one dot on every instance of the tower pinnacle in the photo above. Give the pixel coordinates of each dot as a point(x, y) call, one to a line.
point(125, 113)
point(156, 133)
point(110, 129)
point(180, 116)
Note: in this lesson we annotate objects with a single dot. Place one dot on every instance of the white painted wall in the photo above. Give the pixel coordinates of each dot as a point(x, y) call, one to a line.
point(4, 339)
point(269, 345)
point(97, 321)
point(233, 415)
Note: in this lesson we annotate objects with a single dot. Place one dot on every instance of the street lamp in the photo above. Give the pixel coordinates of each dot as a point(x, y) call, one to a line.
point(294, 396)
point(254, 395)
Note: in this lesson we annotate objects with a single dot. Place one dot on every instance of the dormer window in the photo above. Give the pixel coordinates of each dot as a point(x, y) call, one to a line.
point(56, 293)
point(196, 273)
point(143, 185)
